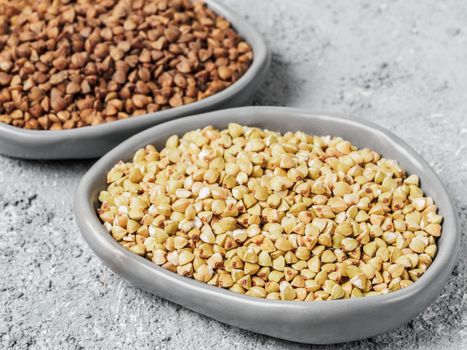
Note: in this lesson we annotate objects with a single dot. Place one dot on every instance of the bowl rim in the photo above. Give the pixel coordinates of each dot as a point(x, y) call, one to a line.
point(92, 229)
point(261, 59)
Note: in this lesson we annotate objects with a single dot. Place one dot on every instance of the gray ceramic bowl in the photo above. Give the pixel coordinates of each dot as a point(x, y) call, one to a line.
point(307, 322)
point(94, 141)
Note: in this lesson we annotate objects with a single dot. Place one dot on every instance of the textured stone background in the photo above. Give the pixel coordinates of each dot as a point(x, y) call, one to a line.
point(398, 63)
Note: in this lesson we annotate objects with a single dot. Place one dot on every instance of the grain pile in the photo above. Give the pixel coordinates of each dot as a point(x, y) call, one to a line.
point(71, 63)
point(286, 217)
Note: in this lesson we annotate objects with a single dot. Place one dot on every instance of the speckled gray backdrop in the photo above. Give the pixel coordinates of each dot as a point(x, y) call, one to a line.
point(401, 64)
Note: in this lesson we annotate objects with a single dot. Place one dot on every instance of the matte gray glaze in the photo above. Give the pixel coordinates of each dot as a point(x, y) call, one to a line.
point(94, 141)
point(308, 322)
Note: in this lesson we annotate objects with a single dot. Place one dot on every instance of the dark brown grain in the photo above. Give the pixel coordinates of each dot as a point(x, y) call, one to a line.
point(72, 63)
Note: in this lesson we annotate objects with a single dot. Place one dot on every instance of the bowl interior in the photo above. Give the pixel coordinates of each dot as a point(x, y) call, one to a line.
point(259, 64)
point(360, 133)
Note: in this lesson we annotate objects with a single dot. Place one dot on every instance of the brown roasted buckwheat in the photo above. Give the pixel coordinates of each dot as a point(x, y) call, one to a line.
point(286, 217)
point(72, 63)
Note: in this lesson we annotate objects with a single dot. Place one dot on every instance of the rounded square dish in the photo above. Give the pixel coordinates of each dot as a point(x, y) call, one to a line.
point(320, 322)
point(94, 141)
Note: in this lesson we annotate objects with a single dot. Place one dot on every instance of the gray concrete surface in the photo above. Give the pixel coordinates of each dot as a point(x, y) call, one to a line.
point(399, 63)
